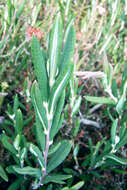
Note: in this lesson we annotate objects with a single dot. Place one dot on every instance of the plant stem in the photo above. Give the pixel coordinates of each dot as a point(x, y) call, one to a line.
point(46, 151)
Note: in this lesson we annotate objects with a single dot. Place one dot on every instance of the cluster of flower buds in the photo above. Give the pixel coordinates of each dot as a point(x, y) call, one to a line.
point(33, 31)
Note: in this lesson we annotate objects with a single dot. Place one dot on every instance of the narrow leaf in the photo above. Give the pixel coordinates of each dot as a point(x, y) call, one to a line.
point(113, 130)
point(55, 178)
point(16, 184)
point(59, 87)
point(36, 172)
point(55, 48)
point(59, 156)
point(75, 108)
point(77, 186)
point(54, 148)
point(117, 159)
point(3, 174)
point(100, 100)
point(19, 122)
point(16, 104)
point(56, 118)
point(120, 105)
point(37, 153)
point(40, 68)
point(40, 136)
point(38, 106)
point(122, 141)
point(69, 45)
point(6, 142)
point(16, 142)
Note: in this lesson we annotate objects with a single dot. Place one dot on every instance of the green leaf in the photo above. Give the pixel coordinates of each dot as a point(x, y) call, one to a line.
point(40, 136)
point(10, 169)
point(19, 122)
point(16, 184)
point(23, 153)
point(114, 88)
point(122, 141)
point(75, 108)
point(59, 125)
point(122, 130)
point(108, 69)
point(16, 104)
point(94, 156)
point(38, 106)
point(40, 68)
point(38, 154)
point(54, 148)
point(122, 161)
point(59, 87)
point(77, 186)
point(56, 118)
point(100, 100)
point(56, 178)
point(55, 48)
point(124, 73)
point(76, 127)
point(69, 45)
point(120, 105)
point(3, 174)
point(21, 8)
point(59, 156)
point(113, 130)
point(6, 142)
point(16, 142)
point(74, 187)
point(76, 151)
point(36, 172)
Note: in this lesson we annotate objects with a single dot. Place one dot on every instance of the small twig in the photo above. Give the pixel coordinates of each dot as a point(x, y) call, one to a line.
point(46, 153)
point(90, 122)
point(111, 95)
point(94, 108)
point(3, 94)
point(88, 74)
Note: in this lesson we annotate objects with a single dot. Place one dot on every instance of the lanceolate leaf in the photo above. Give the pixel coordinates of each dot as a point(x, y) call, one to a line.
point(59, 156)
point(28, 171)
point(38, 106)
point(54, 148)
point(117, 159)
point(40, 68)
point(37, 153)
point(7, 144)
point(40, 136)
point(76, 106)
point(55, 48)
point(120, 105)
point(59, 86)
point(122, 141)
point(21, 8)
point(100, 100)
point(17, 183)
point(56, 178)
point(19, 122)
point(56, 117)
point(113, 131)
point(68, 50)
point(16, 104)
point(3, 174)
point(77, 186)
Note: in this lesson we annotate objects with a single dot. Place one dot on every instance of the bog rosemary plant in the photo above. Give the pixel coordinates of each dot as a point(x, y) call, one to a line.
point(53, 70)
